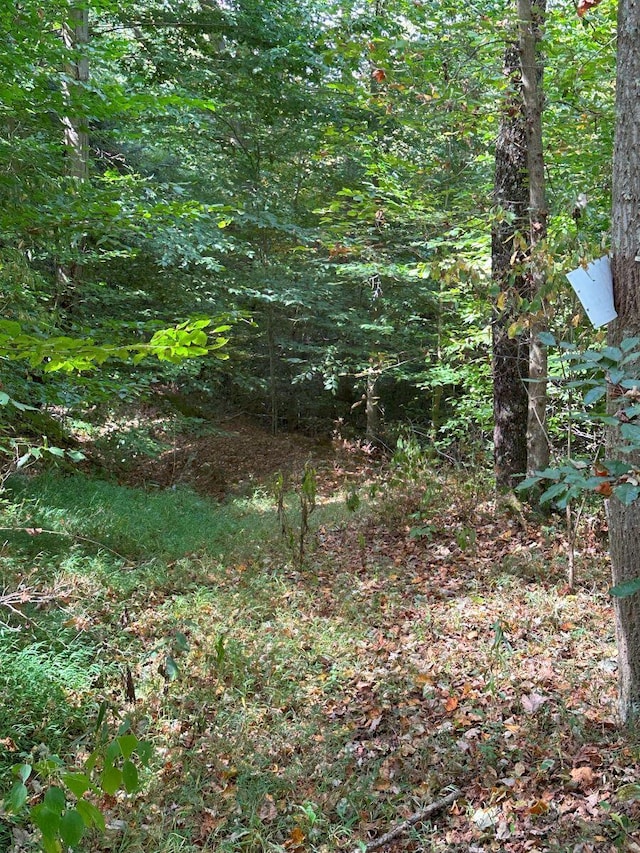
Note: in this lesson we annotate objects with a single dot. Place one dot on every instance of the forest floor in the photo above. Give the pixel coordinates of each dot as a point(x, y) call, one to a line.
point(423, 643)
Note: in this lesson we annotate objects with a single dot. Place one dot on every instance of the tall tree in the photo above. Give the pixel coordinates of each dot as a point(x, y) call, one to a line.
point(75, 36)
point(624, 521)
point(531, 15)
point(510, 348)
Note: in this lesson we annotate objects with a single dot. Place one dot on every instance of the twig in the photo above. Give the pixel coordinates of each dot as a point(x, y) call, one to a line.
point(418, 817)
point(12, 600)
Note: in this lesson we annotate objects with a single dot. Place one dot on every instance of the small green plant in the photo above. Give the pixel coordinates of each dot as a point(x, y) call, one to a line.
point(64, 810)
point(307, 494)
point(166, 653)
point(596, 372)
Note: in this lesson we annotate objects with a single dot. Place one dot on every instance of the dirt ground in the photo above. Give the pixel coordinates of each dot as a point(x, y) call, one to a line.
point(237, 456)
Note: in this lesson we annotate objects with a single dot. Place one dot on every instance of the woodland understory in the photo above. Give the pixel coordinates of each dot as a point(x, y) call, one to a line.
point(285, 326)
point(426, 642)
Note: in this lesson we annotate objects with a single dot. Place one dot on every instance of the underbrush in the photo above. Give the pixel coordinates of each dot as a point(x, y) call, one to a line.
point(298, 705)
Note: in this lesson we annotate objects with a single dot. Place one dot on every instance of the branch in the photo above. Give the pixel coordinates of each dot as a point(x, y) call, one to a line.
point(418, 817)
point(13, 600)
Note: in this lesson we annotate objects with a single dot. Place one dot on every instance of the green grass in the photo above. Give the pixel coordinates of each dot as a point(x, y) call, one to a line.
point(296, 706)
point(135, 523)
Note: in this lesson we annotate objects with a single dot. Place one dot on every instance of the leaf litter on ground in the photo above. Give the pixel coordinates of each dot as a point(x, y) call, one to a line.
point(317, 707)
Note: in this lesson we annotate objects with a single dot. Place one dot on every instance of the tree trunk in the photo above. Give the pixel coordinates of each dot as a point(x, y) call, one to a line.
point(273, 372)
point(531, 15)
point(75, 35)
point(372, 408)
point(624, 522)
point(510, 361)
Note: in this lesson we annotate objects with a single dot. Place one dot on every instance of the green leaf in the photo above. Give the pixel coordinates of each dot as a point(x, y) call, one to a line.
point(111, 779)
point(553, 492)
point(145, 751)
point(594, 394)
point(16, 798)
point(171, 668)
point(612, 353)
point(623, 590)
point(528, 483)
point(22, 771)
point(627, 344)
point(130, 777)
point(547, 338)
point(72, 828)
point(627, 493)
point(182, 644)
point(77, 783)
point(631, 432)
point(48, 822)
point(91, 815)
point(615, 467)
point(127, 744)
point(50, 844)
point(112, 752)
point(55, 800)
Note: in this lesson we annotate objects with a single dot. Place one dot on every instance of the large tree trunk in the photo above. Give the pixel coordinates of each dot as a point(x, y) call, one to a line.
point(624, 522)
point(510, 352)
point(75, 35)
point(531, 15)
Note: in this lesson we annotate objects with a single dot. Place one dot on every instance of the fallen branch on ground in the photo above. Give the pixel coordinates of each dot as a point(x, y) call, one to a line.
point(418, 817)
point(24, 595)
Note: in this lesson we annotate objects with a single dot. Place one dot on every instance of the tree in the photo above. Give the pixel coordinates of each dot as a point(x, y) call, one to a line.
point(531, 15)
point(510, 346)
point(75, 37)
point(624, 521)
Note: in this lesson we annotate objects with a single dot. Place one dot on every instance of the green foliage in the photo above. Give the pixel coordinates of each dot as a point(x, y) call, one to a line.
point(295, 532)
point(72, 354)
point(36, 680)
point(593, 372)
point(63, 812)
point(132, 522)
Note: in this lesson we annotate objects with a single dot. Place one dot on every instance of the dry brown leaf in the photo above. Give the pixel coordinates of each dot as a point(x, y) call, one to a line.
point(584, 6)
point(582, 776)
point(295, 840)
point(532, 702)
point(539, 807)
point(268, 810)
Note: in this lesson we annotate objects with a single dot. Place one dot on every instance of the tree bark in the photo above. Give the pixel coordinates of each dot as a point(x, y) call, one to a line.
point(372, 408)
point(624, 522)
point(75, 35)
point(510, 352)
point(531, 15)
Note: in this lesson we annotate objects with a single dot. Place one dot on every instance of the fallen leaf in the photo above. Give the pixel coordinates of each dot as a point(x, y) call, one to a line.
point(295, 839)
point(451, 704)
point(486, 818)
point(268, 810)
point(539, 807)
point(582, 776)
point(532, 702)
